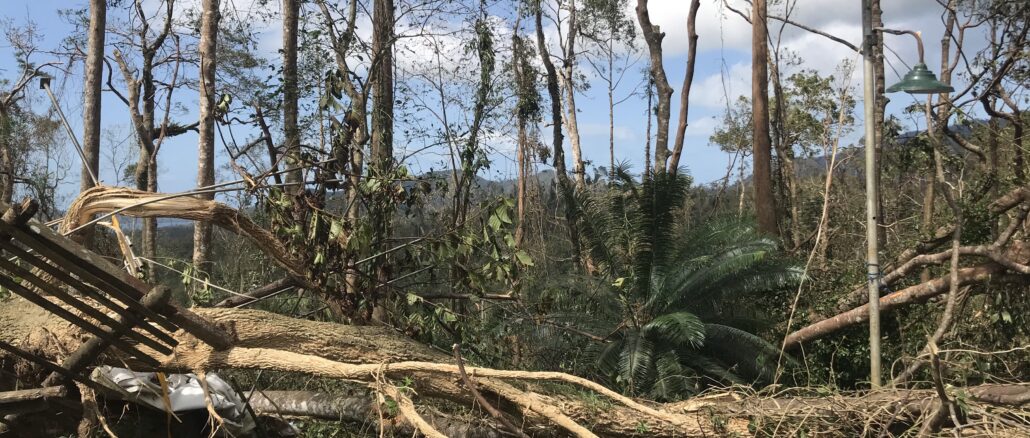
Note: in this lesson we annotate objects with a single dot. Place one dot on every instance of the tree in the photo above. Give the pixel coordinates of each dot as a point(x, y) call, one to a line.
point(141, 99)
point(688, 80)
point(291, 20)
point(734, 136)
point(24, 41)
point(607, 28)
point(527, 114)
point(565, 187)
point(653, 36)
point(568, 82)
point(206, 147)
point(765, 200)
point(91, 100)
point(382, 165)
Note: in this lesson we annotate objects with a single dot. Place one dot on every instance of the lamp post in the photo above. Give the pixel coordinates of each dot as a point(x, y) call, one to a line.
point(918, 81)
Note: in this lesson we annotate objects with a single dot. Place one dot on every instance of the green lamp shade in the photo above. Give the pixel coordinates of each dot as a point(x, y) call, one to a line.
point(920, 81)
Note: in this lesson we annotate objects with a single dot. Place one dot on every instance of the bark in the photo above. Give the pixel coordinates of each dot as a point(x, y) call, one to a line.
point(910, 295)
point(91, 101)
point(787, 174)
point(360, 353)
point(929, 197)
point(382, 83)
point(765, 201)
point(352, 157)
point(382, 138)
point(357, 408)
point(149, 149)
point(260, 293)
point(376, 354)
point(291, 11)
point(565, 188)
point(6, 160)
point(143, 119)
point(571, 118)
point(688, 79)
point(464, 184)
point(879, 112)
point(523, 169)
point(206, 145)
point(29, 400)
point(526, 89)
point(653, 36)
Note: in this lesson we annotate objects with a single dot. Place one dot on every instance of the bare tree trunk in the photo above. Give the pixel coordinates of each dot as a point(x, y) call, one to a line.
point(787, 174)
point(526, 89)
point(611, 108)
point(291, 11)
point(146, 131)
point(91, 101)
point(926, 227)
point(743, 187)
point(765, 202)
point(206, 145)
point(653, 36)
point(382, 133)
point(688, 79)
point(6, 160)
point(520, 222)
point(650, 121)
point(879, 112)
point(382, 91)
point(565, 188)
point(571, 118)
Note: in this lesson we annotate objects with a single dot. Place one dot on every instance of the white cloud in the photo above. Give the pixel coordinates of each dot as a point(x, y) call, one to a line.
point(600, 130)
point(702, 127)
point(712, 91)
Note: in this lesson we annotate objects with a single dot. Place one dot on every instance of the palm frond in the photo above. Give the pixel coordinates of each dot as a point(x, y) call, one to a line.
point(753, 357)
point(636, 361)
point(673, 380)
point(681, 329)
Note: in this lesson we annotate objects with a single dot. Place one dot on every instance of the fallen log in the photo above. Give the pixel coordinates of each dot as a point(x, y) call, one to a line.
point(358, 409)
point(374, 356)
point(260, 293)
point(910, 295)
point(29, 400)
point(272, 342)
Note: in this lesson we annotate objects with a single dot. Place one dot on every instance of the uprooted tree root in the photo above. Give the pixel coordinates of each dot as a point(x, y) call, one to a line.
point(410, 374)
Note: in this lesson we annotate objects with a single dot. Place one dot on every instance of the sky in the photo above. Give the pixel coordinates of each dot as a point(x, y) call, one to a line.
point(723, 70)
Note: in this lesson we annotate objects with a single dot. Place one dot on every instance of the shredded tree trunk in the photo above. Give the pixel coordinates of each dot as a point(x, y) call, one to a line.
point(102, 199)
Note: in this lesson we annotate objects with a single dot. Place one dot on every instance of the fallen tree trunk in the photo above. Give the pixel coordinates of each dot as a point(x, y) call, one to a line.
point(377, 356)
point(273, 342)
point(910, 295)
point(358, 409)
point(260, 293)
point(29, 400)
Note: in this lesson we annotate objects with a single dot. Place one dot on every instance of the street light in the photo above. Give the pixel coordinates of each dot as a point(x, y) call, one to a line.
point(920, 80)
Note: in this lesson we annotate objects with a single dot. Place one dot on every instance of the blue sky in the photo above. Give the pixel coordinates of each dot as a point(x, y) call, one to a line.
point(723, 68)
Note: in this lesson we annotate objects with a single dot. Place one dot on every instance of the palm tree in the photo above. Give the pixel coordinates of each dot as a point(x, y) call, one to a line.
point(672, 309)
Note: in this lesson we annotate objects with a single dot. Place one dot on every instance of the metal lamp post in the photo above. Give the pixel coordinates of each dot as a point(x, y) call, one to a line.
point(918, 81)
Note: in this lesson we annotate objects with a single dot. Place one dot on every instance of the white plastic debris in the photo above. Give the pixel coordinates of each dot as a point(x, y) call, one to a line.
point(185, 393)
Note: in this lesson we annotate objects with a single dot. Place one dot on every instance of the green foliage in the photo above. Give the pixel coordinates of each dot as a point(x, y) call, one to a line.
point(675, 324)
